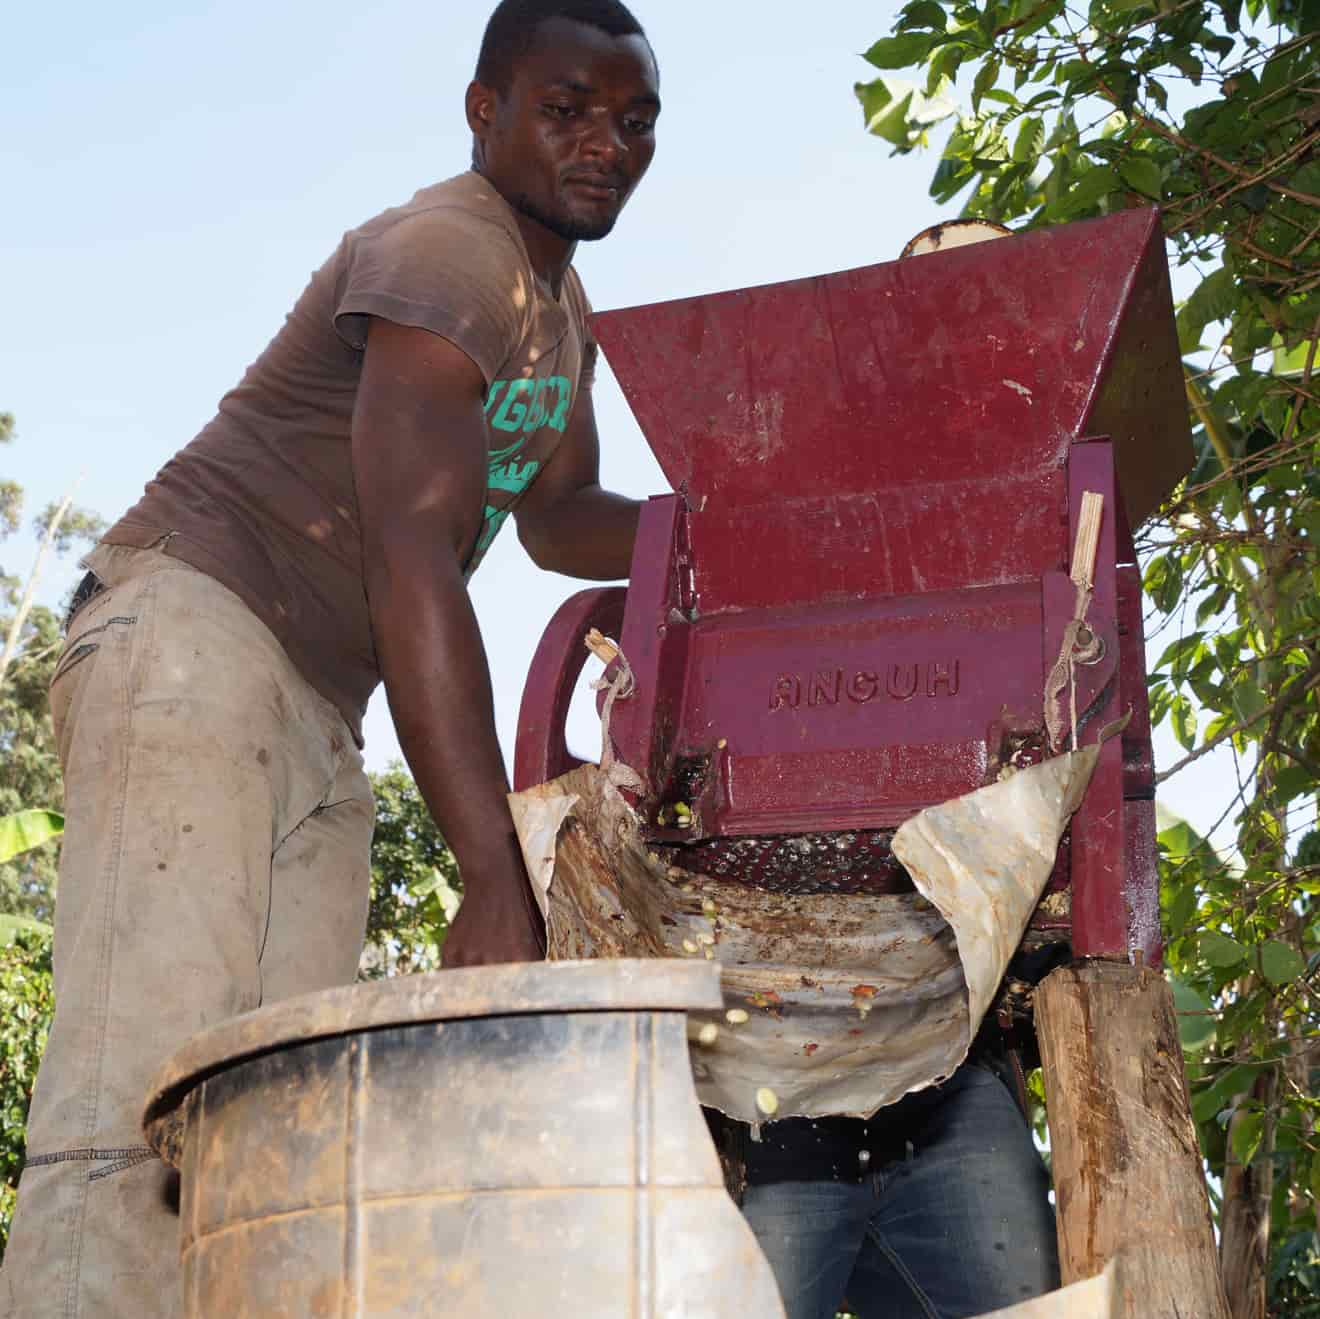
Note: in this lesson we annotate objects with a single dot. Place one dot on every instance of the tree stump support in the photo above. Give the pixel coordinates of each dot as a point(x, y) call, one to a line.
point(1128, 1175)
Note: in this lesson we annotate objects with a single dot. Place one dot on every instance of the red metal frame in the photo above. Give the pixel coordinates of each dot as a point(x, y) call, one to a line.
point(541, 751)
point(848, 609)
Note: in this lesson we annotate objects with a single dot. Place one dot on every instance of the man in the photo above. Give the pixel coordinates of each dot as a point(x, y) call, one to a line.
point(313, 540)
point(935, 1208)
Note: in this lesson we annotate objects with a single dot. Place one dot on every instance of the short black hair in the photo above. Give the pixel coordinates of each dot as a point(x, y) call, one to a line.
point(511, 31)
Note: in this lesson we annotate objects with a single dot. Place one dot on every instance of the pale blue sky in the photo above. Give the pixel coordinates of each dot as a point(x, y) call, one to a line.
point(174, 172)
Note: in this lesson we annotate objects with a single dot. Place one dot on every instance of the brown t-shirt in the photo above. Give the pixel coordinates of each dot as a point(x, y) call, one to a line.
point(263, 499)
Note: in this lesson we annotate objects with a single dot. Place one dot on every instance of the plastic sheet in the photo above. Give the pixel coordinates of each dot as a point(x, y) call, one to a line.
point(850, 1000)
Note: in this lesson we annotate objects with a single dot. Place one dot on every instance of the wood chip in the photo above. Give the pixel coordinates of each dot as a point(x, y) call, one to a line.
point(601, 646)
point(1088, 539)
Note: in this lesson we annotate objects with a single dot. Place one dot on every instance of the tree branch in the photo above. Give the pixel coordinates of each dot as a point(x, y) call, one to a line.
point(30, 590)
point(1296, 413)
point(1287, 698)
point(1246, 179)
point(1026, 18)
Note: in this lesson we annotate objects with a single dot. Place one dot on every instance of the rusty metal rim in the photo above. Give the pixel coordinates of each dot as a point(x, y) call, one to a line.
point(514, 989)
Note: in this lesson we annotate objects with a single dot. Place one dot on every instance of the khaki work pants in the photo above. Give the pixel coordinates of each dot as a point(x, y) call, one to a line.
point(216, 858)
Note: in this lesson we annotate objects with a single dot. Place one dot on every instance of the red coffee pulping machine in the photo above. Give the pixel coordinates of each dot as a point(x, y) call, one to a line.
point(848, 608)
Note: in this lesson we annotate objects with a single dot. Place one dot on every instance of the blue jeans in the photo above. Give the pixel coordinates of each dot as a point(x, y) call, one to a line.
point(952, 1220)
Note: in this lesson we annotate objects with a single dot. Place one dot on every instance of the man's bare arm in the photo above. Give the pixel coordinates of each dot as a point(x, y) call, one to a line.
point(566, 522)
point(419, 462)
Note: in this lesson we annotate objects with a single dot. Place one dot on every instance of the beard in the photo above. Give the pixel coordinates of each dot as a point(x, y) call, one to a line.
point(567, 227)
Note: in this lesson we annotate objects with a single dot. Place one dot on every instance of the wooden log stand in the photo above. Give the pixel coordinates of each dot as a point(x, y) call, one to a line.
point(1128, 1175)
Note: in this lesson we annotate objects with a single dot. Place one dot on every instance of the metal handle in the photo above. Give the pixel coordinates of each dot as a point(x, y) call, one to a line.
point(541, 752)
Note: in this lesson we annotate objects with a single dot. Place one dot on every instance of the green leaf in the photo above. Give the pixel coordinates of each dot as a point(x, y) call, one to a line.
point(11, 925)
point(1248, 1128)
point(1216, 1097)
point(951, 176)
point(1292, 361)
point(1183, 715)
point(932, 108)
point(1206, 1105)
point(1045, 14)
point(1308, 850)
point(1182, 843)
point(1204, 680)
point(885, 105)
point(1248, 699)
point(1212, 604)
point(1188, 64)
point(945, 63)
point(1290, 783)
point(1281, 963)
point(1157, 572)
point(1030, 138)
point(1232, 11)
point(1170, 589)
point(446, 894)
point(1218, 724)
point(1219, 950)
point(897, 111)
point(1240, 1020)
point(901, 51)
point(923, 13)
point(1196, 1021)
point(1181, 910)
point(986, 77)
point(1086, 193)
point(1179, 840)
point(1178, 648)
point(1284, 69)
point(1214, 299)
point(1142, 175)
point(426, 884)
point(1161, 698)
point(25, 830)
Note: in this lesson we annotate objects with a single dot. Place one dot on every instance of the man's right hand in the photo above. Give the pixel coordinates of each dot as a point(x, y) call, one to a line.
point(497, 922)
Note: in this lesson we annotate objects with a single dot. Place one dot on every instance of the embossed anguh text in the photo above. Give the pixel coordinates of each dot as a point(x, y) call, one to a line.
point(891, 682)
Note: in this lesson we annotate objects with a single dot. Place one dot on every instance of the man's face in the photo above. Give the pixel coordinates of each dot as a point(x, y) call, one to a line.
point(575, 131)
